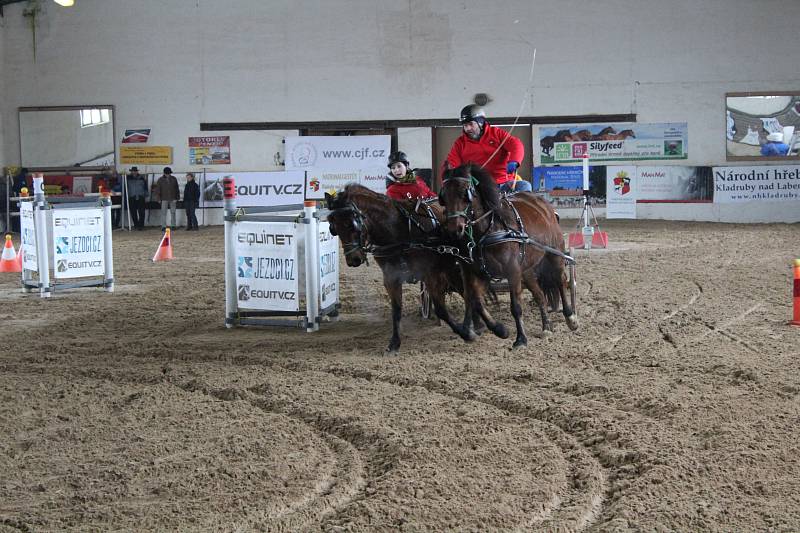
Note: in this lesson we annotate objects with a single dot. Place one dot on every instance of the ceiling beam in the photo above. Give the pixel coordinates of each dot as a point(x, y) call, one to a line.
point(419, 123)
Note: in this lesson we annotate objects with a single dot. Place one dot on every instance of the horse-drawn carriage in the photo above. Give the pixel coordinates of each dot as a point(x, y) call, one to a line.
point(464, 244)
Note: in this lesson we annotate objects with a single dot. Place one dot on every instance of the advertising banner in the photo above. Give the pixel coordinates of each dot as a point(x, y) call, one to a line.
point(337, 153)
point(210, 150)
point(621, 192)
point(211, 191)
point(328, 267)
point(266, 266)
point(762, 184)
point(78, 243)
point(318, 183)
point(136, 136)
point(28, 237)
point(613, 142)
point(146, 155)
point(332, 162)
point(559, 178)
point(81, 185)
point(667, 183)
point(265, 189)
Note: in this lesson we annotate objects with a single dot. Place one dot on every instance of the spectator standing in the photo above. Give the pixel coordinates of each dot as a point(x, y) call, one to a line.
point(137, 193)
point(191, 199)
point(116, 200)
point(168, 193)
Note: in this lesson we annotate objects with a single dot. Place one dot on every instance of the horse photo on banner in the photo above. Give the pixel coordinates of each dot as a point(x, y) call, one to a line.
point(613, 142)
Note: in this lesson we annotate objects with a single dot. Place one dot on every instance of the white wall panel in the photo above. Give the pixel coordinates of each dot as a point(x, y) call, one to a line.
point(171, 64)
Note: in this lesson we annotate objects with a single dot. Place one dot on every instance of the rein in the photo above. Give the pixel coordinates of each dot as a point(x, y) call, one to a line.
point(492, 238)
point(395, 249)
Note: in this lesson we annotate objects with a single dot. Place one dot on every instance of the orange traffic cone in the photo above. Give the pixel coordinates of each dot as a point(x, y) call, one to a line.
point(19, 257)
point(599, 238)
point(8, 260)
point(164, 251)
point(576, 240)
point(796, 319)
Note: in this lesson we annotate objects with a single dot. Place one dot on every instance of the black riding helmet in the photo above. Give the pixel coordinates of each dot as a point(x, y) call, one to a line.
point(472, 112)
point(399, 157)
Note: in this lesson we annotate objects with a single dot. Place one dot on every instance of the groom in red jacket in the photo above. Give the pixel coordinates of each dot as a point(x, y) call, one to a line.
point(478, 144)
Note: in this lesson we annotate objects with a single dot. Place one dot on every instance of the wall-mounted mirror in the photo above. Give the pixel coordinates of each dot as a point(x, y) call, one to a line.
point(763, 125)
point(67, 137)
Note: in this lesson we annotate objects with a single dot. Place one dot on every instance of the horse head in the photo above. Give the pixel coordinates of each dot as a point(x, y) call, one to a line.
point(562, 136)
point(547, 144)
point(466, 192)
point(347, 222)
point(626, 133)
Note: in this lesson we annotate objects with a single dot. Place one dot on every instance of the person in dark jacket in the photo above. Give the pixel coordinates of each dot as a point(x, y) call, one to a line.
point(191, 199)
point(168, 193)
point(137, 194)
point(116, 200)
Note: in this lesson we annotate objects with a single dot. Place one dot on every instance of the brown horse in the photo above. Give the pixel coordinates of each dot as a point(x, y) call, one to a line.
point(517, 238)
point(621, 136)
point(404, 237)
point(608, 130)
point(581, 135)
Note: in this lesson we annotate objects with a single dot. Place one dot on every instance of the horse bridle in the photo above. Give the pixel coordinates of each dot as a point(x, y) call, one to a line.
point(467, 212)
point(359, 224)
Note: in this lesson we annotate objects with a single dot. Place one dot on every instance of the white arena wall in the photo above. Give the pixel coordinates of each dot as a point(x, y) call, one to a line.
point(171, 64)
point(3, 96)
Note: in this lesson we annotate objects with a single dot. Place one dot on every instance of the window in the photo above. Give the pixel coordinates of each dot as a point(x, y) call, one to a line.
point(94, 117)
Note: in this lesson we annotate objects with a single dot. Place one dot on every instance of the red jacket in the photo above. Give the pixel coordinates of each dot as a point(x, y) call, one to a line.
point(466, 150)
point(402, 191)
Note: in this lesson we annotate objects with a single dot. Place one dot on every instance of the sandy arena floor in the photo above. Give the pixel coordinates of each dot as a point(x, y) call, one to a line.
point(674, 407)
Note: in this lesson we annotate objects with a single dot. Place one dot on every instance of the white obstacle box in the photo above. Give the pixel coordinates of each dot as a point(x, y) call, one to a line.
point(280, 269)
point(64, 242)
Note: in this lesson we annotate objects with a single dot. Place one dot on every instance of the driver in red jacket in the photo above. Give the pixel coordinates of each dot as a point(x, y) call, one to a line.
point(478, 144)
point(406, 184)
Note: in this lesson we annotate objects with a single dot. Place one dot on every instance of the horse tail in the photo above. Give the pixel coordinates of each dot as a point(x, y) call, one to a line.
point(550, 275)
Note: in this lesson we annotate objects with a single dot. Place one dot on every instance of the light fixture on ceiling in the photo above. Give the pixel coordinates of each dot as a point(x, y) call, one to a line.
point(65, 3)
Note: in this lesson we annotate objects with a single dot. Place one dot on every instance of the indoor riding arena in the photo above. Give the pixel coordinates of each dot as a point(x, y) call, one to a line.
point(242, 377)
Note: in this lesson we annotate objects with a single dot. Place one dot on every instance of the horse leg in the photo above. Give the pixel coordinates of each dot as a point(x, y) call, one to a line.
point(566, 308)
point(437, 292)
point(478, 325)
point(515, 289)
point(474, 289)
point(532, 284)
point(394, 288)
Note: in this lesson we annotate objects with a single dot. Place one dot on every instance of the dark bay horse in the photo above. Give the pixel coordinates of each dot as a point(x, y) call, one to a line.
point(403, 238)
point(517, 238)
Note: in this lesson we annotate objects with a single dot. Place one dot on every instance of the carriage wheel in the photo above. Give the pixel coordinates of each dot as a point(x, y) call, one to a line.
point(425, 302)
